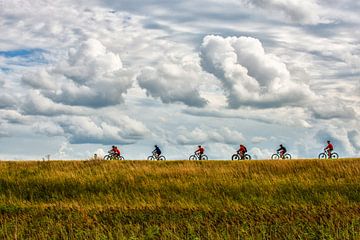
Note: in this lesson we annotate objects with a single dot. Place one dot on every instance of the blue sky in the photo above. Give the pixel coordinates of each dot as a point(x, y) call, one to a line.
point(76, 78)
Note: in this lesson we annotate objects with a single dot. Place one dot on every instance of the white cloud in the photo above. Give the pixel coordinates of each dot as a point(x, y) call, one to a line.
point(260, 153)
point(49, 128)
point(333, 108)
point(295, 117)
point(256, 140)
point(298, 11)
point(91, 76)
point(40, 79)
point(201, 136)
point(109, 129)
point(174, 79)
point(36, 104)
point(249, 76)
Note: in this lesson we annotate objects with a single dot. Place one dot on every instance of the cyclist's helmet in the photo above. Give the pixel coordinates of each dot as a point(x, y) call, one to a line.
point(113, 146)
point(328, 141)
point(281, 145)
point(199, 146)
point(155, 146)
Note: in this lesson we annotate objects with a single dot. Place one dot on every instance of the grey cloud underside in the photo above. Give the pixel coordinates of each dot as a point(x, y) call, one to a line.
point(7, 101)
point(333, 109)
point(170, 91)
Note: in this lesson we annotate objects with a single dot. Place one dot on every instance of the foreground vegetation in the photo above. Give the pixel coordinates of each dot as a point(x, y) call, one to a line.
point(296, 199)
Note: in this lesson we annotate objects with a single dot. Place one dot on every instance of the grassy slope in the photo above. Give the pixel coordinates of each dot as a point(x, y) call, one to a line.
point(306, 199)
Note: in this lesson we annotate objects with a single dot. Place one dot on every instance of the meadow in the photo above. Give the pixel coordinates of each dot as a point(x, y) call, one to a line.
point(283, 199)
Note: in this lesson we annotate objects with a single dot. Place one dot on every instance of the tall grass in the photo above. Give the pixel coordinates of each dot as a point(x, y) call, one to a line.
point(308, 199)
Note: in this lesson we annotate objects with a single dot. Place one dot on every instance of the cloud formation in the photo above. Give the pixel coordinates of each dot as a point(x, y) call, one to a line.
point(249, 76)
point(36, 104)
point(91, 76)
point(303, 12)
point(174, 80)
point(333, 108)
point(202, 136)
point(105, 130)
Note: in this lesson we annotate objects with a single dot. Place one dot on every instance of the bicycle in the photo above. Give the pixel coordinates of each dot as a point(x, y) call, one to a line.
point(237, 156)
point(113, 156)
point(277, 156)
point(196, 156)
point(325, 155)
point(156, 157)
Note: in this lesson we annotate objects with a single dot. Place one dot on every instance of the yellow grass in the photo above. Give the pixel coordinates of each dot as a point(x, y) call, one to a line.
point(296, 199)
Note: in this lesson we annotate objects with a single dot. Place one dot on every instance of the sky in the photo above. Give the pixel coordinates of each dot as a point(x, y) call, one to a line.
point(77, 77)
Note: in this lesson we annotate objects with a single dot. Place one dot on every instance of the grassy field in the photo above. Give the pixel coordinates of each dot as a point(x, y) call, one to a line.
point(296, 199)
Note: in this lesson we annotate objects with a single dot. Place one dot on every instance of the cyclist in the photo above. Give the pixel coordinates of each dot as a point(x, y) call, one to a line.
point(200, 151)
point(329, 148)
point(242, 150)
point(281, 151)
point(156, 152)
point(115, 151)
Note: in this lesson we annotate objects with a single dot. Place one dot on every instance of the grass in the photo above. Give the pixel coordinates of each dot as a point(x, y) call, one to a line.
point(296, 199)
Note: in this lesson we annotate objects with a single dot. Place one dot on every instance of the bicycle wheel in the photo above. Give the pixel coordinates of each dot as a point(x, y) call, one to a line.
point(192, 157)
point(322, 156)
point(334, 155)
point(235, 157)
point(107, 157)
point(162, 158)
point(121, 158)
point(275, 156)
point(151, 158)
point(204, 157)
point(247, 157)
point(287, 156)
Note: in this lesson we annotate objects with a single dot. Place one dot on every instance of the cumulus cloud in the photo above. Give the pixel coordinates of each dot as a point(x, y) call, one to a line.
point(201, 136)
point(49, 128)
point(91, 76)
point(40, 79)
point(36, 104)
point(333, 108)
point(105, 130)
point(13, 117)
point(173, 80)
point(249, 76)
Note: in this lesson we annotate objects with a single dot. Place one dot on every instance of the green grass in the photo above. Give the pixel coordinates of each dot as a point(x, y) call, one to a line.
point(296, 199)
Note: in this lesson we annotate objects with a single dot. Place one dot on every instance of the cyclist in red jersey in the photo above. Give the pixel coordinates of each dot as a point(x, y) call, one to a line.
point(116, 151)
point(200, 151)
point(329, 148)
point(242, 150)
